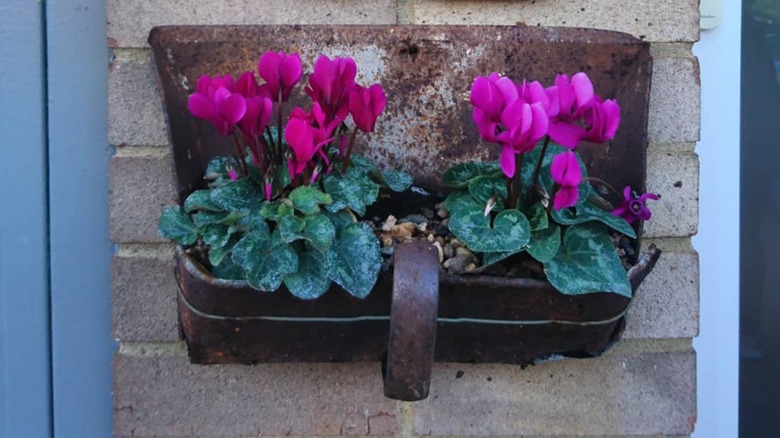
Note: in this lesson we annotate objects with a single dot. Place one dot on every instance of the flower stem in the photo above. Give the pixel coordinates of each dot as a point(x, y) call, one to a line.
point(604, 183)
point(349, 150)
point(515, 197)
point(538, 169)
point(279, 128)
point(550, 203)
point(241, 157)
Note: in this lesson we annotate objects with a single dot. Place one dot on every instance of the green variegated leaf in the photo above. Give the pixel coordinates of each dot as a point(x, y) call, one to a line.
point(460, 174)
point(354, 190)
point(307, 199)
point(510, 230)
point(340, 219)
point(276, 210)
point(482, 188)
point(490, 258)
point(291, 228)
point(354, 260)
point(587, 262)
point(219, 254)
point(537, 217)
point(243, 194)
point(454, 199)
point(265, 260)
point(544, 243)
point(362, 164)
point(216, 171)
point(176, 225)
point(200, 200)
point(319, 231)
point(227, 270)
point(311, 280)
point(205, 218)
point(216, 236)
point(252, 221)
point(587, 212)
point(396, 180)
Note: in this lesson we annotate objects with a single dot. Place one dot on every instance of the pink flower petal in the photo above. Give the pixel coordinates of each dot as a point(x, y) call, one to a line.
point(507, 161)
point(233, 108)
point(268, 67)
point(565, 197)
point(583, 88)
point(540, 122)
point(290, 72)
point(201, 106)
point(246, 85)
point(566, 134)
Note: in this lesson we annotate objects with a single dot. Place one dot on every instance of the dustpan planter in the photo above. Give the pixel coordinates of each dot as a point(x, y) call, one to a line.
point(425, 129)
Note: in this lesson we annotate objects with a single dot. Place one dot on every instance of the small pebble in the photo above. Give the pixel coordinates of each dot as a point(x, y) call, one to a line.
point(441, 241)
point(423, 227)
point(457, 264)
point(439, 205)
point(415, 218)
point(387, 240)
point(456, 243)
point(431, 238)
point(443, 213)
point(427, 212)
point(441, 230)
point(470, 267)
point(464, 251)
point(389, 223)
point(449, 251)
point(445, 222)
point(403, 231)
point(387, 251)
point(440, 250)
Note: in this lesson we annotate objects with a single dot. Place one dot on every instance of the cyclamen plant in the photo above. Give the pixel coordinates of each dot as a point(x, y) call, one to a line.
point(538, 198)
point(284, 208)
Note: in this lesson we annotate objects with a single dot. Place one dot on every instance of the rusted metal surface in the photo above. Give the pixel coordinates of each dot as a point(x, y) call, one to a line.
point(480, 319)
point(410, 345)
point(427, 72)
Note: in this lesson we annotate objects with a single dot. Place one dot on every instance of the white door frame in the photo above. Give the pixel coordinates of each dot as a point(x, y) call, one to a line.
point(718, 240)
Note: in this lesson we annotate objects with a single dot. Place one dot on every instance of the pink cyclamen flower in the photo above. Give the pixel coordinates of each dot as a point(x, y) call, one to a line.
point(569, 100)
point(330, 84)
point(525, 125)
point(365, 105)
point(307, 133)
point(490, 96)
point(214, 100)
point(281, 71)
point(633, 207)
point(602, 120)
point(566, 173)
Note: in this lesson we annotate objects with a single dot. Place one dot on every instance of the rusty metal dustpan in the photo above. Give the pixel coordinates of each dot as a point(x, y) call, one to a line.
point(427, 316)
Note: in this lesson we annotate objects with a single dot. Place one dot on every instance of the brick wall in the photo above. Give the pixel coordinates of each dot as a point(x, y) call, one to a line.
point(643, 387)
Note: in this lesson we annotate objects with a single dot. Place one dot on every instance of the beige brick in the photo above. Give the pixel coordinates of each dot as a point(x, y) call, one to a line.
point(129, 21)
point(667, 303)
point(676, 178)
point(135, 115)
point(664, 20)
point(139, 189)
point(675, 101)
point(144, 299)
point(614, 395)
point(166, 396)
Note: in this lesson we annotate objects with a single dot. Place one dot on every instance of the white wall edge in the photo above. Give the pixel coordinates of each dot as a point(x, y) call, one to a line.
point(718, 239)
